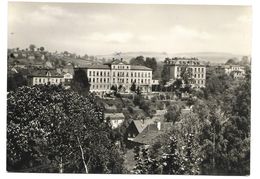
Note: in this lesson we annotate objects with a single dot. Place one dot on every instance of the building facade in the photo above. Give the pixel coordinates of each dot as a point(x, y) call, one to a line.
point(49, 76)
point(120, 75)
point(193, 65)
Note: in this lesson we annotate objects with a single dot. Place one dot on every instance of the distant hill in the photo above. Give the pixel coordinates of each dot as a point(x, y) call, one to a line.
point(212, 57)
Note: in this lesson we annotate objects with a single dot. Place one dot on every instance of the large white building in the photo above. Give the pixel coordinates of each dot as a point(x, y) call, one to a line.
point(198, 71)
point(120, 75)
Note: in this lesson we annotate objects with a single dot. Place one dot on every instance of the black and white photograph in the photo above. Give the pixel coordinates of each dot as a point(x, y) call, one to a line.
point(128, 88)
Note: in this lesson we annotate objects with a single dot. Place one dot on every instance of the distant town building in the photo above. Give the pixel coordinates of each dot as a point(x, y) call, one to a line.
point(115, 119)
point(236, 71)
point(120, 75)
point(198, 70)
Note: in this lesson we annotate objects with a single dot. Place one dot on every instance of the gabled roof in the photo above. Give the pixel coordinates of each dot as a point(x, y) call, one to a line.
point(151, 132)
point(44, 72)
point(142, 124)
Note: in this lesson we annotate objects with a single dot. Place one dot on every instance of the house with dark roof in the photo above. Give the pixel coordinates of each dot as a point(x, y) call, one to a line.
point(45, 76)
point(137, 126)
point(152, 132)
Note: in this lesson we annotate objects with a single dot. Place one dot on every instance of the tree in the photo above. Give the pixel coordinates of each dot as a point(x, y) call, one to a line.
point(151, 63)
point(133, 87)
point(42, 49)
point(16, 80)
point(232, 61)
point(32, 47)
point(137, 61)
point(50, 129)
point(80, 82)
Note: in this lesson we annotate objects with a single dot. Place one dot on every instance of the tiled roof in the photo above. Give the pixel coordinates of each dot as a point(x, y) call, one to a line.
point(97, 67)
point(151, 132)
point(137, 67)
point(43, 73)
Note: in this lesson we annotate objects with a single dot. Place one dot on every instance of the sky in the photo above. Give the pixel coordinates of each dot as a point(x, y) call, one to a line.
point(99, 29)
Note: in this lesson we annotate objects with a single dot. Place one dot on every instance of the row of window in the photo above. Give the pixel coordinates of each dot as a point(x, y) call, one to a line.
point(121, 67)
point(120, 74)
point(98, 73)
point(198, 75)
point(119, 80)
point(45, 80)
point(103, 87)
point(195, 69)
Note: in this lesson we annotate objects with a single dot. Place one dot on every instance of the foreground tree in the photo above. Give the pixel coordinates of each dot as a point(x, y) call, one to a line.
point(80, 82)
point(50, 129)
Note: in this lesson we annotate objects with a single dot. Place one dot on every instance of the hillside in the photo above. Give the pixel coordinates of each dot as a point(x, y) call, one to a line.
point(212, 57)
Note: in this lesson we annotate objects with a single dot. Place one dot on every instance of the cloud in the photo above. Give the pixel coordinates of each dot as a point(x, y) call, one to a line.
point(116, 37)
point(189, 33)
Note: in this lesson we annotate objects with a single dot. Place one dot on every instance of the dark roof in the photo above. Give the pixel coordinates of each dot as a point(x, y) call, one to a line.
point(96, 67)
point(137, 67)
point(43, 73)
point(151, 132)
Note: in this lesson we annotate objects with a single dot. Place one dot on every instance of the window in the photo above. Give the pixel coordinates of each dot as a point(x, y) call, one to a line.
point(100, 80)
point(97, 73)
point(89, 73)
point(104, 80)
point(93, 80)
point(101, 73)
point(40, 80)
point(108, 80)
point(131, 74)
point(93, 73)
point(97, 80)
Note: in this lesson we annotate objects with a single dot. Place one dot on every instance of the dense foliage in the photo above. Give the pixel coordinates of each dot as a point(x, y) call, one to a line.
point(50, 129)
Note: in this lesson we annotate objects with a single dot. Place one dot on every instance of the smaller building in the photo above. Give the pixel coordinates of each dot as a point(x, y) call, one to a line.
point(137, 126)
point(152, 132)
point(45, 76)
point(116, 119)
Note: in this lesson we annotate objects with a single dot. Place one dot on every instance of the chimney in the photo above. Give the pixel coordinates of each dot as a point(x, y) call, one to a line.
point(159, 125)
